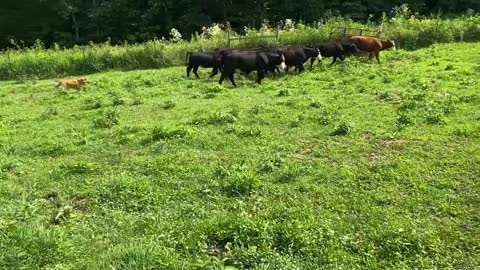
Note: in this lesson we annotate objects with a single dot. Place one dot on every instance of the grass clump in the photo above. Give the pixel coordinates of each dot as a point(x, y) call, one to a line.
point(164, 133)
point(167, 105)
point(242, 183)
point(107, 119)
point(342, 129)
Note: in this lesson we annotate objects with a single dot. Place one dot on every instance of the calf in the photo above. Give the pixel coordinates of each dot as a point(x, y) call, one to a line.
point(372, 45)
point(205, 59)
point(297, 56)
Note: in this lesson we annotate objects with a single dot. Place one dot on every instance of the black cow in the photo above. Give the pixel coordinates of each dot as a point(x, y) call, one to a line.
point(297, 56)
point(247, 61)
point(275, 57)
point(350, 48)
point(204, 59)
point(276, 60)
point(336, 50)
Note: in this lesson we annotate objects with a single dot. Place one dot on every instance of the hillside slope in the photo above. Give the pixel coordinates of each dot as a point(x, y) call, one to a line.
point(353, 166)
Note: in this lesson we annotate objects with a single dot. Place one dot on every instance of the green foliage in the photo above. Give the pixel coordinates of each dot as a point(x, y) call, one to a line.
point(27, 63)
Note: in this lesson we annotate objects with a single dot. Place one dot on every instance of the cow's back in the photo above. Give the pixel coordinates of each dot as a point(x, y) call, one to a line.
point(244, 60)
point(331, 49)
point(203, 59)
point(367, 44)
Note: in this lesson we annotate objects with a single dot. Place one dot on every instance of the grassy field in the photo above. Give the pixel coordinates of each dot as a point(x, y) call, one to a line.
point(356, 166)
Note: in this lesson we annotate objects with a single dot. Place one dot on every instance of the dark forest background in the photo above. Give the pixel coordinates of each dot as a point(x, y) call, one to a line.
point(70, 22)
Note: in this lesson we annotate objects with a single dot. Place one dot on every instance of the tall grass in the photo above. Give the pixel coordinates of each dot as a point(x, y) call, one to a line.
point(408, 31)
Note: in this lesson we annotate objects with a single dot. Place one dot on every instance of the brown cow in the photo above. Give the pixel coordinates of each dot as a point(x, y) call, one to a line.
point(372, 45)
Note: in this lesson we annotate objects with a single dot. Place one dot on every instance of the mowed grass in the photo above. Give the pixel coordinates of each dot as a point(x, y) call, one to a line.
point(354, 166)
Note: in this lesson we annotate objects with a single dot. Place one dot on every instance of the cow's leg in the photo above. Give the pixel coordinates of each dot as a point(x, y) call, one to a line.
point(214, 72)
point(232, 79)
point(189, 68)
point(222, 77)
point(260, 76)
point(300, 68)
point(377, 55)
point(370, 55)
point(195, 71)
point(334, 60)
point(275, 69)
point(311, 62)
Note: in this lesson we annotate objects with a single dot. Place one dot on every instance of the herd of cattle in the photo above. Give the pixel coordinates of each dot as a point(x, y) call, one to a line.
point(265, 60)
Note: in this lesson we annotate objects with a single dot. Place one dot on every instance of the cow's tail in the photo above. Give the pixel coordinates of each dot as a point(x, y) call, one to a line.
point(264, 58)
point(187, 56)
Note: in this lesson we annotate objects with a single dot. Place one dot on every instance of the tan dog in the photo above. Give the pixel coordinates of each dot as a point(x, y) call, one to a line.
point(71, 84)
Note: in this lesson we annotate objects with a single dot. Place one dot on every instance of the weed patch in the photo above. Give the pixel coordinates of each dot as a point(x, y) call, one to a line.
point(107, 119)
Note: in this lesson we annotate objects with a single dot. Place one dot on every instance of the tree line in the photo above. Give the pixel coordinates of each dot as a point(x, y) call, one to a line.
point(70, 22)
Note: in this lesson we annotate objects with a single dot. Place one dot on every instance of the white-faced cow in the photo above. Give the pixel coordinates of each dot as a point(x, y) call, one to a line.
point(335, 50)
point(297, 56)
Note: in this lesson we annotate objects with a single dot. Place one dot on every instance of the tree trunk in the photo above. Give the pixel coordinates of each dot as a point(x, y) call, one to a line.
point(75, 25)
point(97, 27)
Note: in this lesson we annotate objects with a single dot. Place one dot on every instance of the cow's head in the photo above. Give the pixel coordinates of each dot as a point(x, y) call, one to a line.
point(282, 63)
point(352, 48)
point(391, 44)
